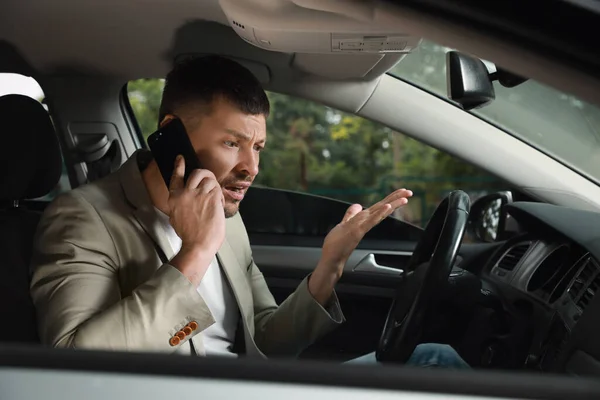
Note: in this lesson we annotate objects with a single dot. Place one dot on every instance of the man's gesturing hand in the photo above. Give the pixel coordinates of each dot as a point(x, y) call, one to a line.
point(343, 239)
point(197, 215)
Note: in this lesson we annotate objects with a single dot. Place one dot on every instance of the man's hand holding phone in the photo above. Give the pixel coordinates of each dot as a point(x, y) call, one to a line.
point(196, 212)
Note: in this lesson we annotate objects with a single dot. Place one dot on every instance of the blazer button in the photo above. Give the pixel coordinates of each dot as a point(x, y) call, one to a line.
point(174, 341)
point(193, 325)
point(180, 335)
point(187, 330)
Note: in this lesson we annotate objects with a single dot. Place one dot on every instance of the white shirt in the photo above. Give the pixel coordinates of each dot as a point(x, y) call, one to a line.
point(215, 290)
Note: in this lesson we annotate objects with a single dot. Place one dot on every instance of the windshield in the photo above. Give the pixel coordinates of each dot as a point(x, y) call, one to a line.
point(556, 123)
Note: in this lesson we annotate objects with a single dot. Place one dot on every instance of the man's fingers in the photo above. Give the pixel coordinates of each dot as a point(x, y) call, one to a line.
point(207, 185)
point(394, 198)
point(197, 176)
point(351, 212)
point(386, 211)
point(178, 174)
point(398, 203)
point(374, 217)
point(378, 211)
point(398, 194)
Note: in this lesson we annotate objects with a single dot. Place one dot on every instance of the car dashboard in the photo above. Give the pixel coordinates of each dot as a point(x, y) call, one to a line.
point(547, 277)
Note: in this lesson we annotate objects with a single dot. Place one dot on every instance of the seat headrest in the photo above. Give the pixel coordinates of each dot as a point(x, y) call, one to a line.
point(30, 159)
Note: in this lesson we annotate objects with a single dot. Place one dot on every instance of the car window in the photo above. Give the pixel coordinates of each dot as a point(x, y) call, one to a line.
point(322, 151)
point(144, 97)
point(19, 84)
point(559, 124)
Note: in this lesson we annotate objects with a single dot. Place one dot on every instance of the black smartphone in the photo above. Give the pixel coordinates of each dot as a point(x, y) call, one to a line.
point(167, 143)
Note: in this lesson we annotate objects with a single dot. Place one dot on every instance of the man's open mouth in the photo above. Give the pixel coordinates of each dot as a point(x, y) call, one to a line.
point(236, 192)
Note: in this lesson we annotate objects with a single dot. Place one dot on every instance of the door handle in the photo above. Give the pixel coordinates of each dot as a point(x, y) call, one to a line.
point(369, 264)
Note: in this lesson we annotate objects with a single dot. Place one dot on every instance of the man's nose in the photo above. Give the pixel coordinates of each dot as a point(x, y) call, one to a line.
point(248, 163)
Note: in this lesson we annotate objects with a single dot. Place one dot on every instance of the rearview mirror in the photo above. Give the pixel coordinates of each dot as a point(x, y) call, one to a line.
point(487, 217)
point(470, 83)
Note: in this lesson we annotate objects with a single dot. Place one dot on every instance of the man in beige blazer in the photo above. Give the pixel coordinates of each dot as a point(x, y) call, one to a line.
point(127, 263)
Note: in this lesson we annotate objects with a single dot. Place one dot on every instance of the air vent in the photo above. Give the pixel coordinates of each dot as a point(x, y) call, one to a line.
point(586, 284)
point(583, 276)
point(512, 257)
point(589, 293)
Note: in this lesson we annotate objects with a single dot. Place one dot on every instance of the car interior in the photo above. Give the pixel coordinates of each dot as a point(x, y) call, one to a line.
point(523, 300)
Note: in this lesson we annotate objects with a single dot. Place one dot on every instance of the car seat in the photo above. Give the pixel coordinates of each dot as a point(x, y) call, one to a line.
point(30, 167)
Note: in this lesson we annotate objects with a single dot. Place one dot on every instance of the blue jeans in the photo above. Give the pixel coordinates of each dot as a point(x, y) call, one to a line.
point(425, 355)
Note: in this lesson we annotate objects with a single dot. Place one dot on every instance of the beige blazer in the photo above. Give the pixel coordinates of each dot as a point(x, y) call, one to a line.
point(99, 282)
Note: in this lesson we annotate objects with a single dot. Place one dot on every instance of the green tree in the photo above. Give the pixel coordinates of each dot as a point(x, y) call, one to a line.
point(144, 97)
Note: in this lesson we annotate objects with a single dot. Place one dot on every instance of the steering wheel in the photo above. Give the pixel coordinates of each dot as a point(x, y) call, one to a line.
point(426, 272)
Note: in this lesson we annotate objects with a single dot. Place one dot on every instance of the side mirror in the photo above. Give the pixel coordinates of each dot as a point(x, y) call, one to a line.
point(487, 217)
point(470, 83)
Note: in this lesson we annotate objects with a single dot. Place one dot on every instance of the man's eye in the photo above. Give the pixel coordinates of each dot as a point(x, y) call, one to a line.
point(258, 149)
point(230, 144)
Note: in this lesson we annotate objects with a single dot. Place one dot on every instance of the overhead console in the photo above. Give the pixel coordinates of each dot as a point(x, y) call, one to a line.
point(348, 36)
point(307, 26)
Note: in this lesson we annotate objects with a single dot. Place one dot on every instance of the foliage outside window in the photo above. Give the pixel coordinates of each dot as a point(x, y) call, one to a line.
point(315, 149)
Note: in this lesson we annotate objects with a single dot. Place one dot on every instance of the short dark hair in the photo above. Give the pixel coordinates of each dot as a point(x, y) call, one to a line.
point(202, 79)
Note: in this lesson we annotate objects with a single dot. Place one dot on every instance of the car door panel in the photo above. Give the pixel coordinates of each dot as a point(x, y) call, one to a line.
point(286, 239)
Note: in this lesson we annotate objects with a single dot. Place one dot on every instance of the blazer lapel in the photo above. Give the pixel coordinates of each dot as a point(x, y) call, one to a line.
point(235, 274)
point(143, 209)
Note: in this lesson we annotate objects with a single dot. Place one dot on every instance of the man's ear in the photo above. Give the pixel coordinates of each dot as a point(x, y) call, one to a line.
point(168, 118)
